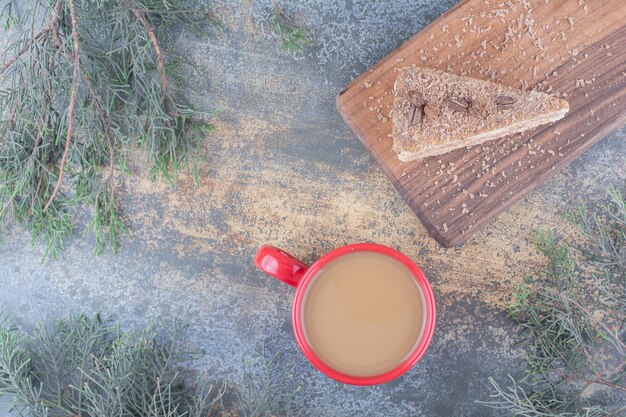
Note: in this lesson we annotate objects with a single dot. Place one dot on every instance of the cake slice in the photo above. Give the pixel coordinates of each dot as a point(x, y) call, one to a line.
point(435, 112)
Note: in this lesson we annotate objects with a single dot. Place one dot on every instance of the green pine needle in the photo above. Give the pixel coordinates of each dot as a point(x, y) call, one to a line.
point(90, 367)
point(85, 83)
point(574, 339)
point(294, 38)
point(269, 386)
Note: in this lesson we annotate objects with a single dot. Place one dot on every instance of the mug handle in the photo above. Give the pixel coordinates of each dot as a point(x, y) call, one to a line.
point(279, 264)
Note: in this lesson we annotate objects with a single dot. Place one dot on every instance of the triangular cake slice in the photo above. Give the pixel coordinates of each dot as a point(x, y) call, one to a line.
point(435, 112)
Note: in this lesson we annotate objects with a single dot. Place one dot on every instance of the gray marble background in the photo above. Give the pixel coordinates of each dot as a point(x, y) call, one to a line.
point(282, 168)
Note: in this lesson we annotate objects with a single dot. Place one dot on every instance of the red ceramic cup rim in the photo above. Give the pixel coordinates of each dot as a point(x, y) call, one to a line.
point(412, 358)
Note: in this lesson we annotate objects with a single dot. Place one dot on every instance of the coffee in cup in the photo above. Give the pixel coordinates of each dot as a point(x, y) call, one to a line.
point(363, 313)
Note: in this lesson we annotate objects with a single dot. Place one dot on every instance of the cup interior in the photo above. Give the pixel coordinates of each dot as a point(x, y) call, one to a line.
point(421, 341)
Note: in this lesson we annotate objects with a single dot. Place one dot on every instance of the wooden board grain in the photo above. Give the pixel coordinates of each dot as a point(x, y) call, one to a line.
point(575, 49)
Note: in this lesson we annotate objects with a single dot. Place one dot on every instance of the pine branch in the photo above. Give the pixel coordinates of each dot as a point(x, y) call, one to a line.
point(607, 383)
point(89, 367)
point(105, 125)
point(9, 122)
point(8, 204)
point(160, 60)
point(613, 333)
point(24, 49)
point(294, 38)
point(572, 340)
point(51, 26)
point(269, 386)
point(54, 23)
point(70, 114)
point(85, 97)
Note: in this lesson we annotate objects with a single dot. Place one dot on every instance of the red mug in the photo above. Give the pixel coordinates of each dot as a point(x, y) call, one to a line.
point(294, 272)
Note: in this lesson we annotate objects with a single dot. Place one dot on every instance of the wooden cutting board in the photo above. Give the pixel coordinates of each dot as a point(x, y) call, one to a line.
point(575, 49)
